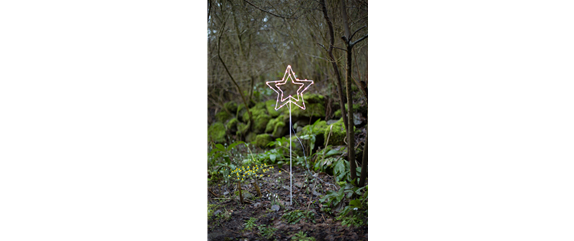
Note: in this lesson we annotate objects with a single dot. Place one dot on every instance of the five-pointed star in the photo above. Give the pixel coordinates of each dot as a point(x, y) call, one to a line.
point(277, 85)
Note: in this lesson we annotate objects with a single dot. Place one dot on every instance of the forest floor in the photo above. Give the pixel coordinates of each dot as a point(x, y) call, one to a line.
point(256, 220)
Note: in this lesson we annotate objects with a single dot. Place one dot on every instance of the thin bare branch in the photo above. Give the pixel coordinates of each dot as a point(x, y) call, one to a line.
point(266, 10)
point(356, 32)
point(361, 39)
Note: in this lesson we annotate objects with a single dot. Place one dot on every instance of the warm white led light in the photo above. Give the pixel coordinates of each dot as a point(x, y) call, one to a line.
point(299, 100)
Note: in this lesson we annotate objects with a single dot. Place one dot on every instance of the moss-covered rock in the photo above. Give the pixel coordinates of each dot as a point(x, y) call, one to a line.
point(222, 116)
point(338, 114)
point(240, 111)
point(216, 132)
point(262, 140)
point(260, 123)
point(314, 98)
point(316, 110)
point(280, 129)
point(250, 137)
point(260, 117)
point(318, 130)
point(232, 125)
point(270, 125)
point(270, 106)
point(278, 126)
point(243, 128)
point(231, 106)
point(356, 109)
point(338, 134)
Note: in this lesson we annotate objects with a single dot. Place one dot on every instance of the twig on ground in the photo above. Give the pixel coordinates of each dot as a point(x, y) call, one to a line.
point(212, 192)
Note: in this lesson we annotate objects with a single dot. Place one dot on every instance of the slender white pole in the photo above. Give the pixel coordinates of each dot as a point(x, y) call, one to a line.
point(290, 165)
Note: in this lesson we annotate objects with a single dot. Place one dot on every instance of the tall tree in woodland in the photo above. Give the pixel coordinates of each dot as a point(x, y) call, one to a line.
point(334, 62)
point(347, 114)
point(347, 38)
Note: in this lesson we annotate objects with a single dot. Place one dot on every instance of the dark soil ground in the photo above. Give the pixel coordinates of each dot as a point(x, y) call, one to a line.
point(229, 224)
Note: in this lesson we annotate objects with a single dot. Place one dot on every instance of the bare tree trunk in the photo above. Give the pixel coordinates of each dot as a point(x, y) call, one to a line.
point(350, 128)
point(365, 162)
point(230, 76)
point(334, 63)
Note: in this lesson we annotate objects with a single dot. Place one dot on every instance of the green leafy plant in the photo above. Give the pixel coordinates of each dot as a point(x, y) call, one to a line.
point(333, 198)
point(226, 215)
point(222, 158)
point(301, 236)
point(211, 209)
point(354, 213)
point(294, 216)
point(250, 224)
point(266, 232)
point(327, 158)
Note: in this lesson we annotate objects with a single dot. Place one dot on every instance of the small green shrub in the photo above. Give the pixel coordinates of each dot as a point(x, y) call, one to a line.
point(250, 224)
point(294, 216)
point(301, 236)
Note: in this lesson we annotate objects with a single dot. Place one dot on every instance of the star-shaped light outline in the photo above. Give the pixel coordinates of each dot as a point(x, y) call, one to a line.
point(289, 74)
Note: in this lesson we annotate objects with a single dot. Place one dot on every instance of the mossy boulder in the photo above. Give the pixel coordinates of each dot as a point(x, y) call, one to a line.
point(270, 106)
point(338, 114)
point(243, 128)
point(222, 116)
point(260, 117)
point(338, 134)
point(240, 111)
point(262, 140)
point(232, 125)
point(278, 126)
point(231, 106)
point(314, 107)
point(216, 132)
point(314, 98)
point(250, 137)
point(315, 110)
point(356, 109)
point(318, 130)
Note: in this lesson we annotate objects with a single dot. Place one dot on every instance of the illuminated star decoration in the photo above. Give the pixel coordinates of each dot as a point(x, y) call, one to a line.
point(281, 99)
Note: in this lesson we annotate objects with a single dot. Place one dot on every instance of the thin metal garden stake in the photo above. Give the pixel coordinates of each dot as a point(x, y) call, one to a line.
point(290, 161)
point(282, 101)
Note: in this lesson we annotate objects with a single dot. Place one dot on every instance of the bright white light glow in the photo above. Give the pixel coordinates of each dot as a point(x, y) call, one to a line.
point(281, 99)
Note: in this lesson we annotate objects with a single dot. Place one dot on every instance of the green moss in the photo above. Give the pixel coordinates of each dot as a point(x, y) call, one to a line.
point(356, 109)
point(260, 123)
point(338, 134)
point(314, 98)
point(280, 129)
point(260, 117)
point(315, 129)
point(231, 106)
point(270, 106)
point(250, 137)
point(216, 132)
point(316, 110)
point(242, 128)
point(338, 114)
point(270, 125)
point(240, 111)
point(262, 140)
point(222, 116)
point(232, 125)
